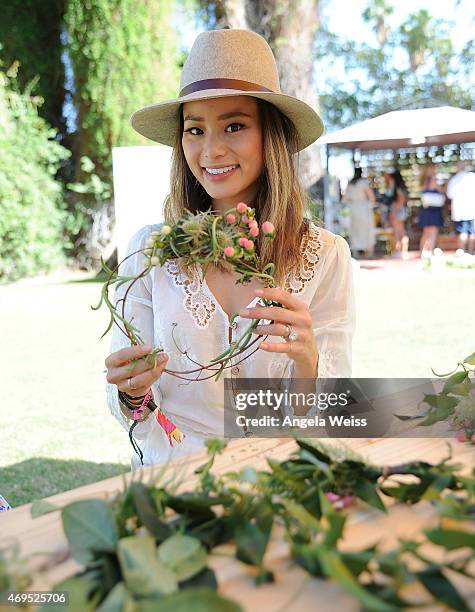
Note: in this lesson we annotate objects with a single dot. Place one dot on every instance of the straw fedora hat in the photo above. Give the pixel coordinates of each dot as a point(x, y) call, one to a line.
point(224, 63)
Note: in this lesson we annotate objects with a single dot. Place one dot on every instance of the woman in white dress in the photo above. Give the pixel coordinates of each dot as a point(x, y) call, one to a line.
point(360, 199)
point(236, 138)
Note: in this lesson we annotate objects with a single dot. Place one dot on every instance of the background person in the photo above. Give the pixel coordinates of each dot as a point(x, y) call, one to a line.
point(430, 216)
point(461, 192)
point(396, 196)
point(360, 198)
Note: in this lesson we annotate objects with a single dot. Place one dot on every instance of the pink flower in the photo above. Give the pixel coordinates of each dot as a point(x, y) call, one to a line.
point(229, 251)
point(268, 227)
point(254, 230)
point(244, 218)
point(252, 222)
point(242, 241)
point(339, 501)
point(249, 245)
point(241, 207)
point(230, 218)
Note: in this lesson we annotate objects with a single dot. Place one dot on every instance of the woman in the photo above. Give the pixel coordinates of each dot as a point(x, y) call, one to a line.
point(430, 216)
point(235, 138)
point(360, 197)
point(396, 196)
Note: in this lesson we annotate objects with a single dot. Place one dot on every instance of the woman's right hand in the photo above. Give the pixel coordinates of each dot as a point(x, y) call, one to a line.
point(134, 379)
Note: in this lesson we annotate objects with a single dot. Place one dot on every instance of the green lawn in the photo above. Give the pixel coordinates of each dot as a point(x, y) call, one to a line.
point(57, 432)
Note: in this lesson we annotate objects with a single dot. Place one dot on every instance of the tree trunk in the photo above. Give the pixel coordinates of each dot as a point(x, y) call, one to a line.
point(290, 27)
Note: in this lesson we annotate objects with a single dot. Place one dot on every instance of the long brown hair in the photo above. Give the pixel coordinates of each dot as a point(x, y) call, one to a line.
point(280, 197)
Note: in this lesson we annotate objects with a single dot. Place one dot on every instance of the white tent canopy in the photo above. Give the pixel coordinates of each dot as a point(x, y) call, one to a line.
point(407, 128)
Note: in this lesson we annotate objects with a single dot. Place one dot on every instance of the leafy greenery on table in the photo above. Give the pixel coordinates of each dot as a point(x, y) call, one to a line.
point(152, 542)
point(455, 403)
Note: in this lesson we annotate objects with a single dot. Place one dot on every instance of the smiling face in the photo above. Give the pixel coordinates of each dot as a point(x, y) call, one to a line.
point(224, 133)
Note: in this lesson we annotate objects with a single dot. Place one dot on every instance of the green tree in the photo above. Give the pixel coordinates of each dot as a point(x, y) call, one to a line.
point(124, 55)
point(30, 33)
point(31, 214)
point(412, 61)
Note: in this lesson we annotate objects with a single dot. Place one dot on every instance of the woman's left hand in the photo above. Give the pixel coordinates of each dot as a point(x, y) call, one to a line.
point(295, 314)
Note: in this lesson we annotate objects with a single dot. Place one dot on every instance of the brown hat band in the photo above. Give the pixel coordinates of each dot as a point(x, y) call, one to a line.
point(221, 84)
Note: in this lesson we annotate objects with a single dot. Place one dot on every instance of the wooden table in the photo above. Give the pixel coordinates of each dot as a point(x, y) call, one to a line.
point(293, 590)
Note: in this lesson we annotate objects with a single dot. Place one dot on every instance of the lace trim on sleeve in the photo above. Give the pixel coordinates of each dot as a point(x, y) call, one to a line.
point(196, 300)
point(310, 251)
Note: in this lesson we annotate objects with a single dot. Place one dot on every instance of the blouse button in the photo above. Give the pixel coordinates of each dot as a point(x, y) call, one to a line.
point(235, 370)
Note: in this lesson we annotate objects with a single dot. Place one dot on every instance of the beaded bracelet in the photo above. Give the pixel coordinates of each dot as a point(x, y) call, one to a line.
point(148, 404)
point(129, 401)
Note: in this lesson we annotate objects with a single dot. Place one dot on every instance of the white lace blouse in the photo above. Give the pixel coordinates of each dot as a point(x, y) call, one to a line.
point(180, 314)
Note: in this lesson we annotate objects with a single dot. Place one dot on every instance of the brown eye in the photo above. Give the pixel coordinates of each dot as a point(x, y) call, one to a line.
point(190, 131)
point(238, 124)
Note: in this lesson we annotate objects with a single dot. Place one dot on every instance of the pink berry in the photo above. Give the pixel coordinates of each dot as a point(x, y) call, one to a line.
point(230, 218)
point(252, 222)
point(254, 231)
point(242, 241)
point(268, 227)
point(461, 437)
point(229, 251)
point(241, 207)
point(249, 245)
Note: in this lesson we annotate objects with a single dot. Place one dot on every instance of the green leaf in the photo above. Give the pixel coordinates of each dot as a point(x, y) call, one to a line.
point(200, 599)
point(337, 523)
point(118, 600)
point(147, 512)
point(455, 379)
point(462, 389)
point(314, 449)
point(264, 576)
point(407, 417)
point(205, 578)
point(334, 568)
point(252, 537)
point(42, 506)
point(444, 406)
point(143, 573)
point(184, 555)
point(211, 533)
point(306, 555)
point(195, 505)
point(451, 538)
point(442, 589)
point(368, 493)
point(90, 528)
point(439, 484)
point(357, 562)
point(470, 359)
point(83, 593)
point(298, 512)
point(439, 401)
